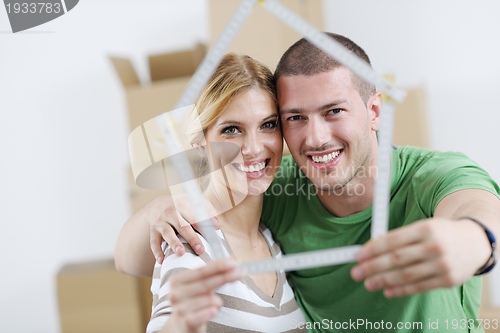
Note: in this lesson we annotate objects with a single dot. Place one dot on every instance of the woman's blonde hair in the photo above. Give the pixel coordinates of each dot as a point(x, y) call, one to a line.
point(234, 74)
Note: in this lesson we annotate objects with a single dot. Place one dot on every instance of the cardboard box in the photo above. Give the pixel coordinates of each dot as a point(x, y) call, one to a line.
point(410, 120)
point(263, 36)
point(170, 74)
point(491, 317)
point(488, 311)
point(94, 297)
point(172, 65)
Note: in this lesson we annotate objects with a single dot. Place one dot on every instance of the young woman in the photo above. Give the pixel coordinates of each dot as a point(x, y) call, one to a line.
point(238, 106)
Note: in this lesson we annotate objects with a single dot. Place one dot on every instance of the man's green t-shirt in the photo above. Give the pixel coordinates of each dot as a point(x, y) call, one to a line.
point(330, 299)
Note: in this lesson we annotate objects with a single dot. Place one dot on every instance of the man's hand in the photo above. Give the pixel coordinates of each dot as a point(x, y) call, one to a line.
point(168, 215)
point(439, 252)
point(139, 243)
point(428, 254)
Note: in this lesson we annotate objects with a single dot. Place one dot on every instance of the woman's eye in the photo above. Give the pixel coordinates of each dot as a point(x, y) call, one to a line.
point(230, 130)
point(270, 125)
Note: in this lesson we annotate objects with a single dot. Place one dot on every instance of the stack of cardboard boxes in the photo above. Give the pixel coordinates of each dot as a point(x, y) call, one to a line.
point(94, 297)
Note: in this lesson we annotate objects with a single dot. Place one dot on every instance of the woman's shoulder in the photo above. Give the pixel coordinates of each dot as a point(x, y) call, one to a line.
point(273, 243)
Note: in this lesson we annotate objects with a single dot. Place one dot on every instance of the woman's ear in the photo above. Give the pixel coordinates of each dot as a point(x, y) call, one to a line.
point(201, 149)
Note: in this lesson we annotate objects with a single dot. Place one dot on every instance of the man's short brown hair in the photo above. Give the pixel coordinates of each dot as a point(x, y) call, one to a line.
point(303, 58)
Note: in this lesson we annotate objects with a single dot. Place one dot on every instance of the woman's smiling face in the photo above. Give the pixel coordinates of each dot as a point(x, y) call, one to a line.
point(251, 122)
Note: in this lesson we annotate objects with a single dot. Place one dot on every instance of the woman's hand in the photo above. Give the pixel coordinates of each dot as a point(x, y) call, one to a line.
point(193, 299)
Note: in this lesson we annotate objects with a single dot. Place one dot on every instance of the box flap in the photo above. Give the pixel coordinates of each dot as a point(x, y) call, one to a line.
point(173, 65)
point(126, 71)
point(145, 103)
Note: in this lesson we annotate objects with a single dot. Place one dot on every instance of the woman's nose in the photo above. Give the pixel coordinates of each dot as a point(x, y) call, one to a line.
point(253, 145)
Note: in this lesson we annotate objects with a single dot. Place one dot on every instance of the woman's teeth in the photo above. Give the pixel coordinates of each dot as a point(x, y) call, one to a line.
point(325, 158)
point(251, 168)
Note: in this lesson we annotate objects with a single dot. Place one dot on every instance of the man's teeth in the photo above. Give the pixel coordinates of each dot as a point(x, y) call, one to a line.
point(252, 168)
point(326, 158)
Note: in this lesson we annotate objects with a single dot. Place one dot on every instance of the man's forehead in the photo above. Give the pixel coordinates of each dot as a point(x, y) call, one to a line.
point(297, 90)
point(339, 74)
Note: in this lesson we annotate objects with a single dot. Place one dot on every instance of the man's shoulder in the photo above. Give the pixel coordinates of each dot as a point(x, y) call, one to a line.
point(431, 175)
point(408, 153)
point(415, 159)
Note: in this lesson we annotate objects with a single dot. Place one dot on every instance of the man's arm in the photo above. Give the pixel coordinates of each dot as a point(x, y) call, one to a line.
point(439, 252)
point(139, 242)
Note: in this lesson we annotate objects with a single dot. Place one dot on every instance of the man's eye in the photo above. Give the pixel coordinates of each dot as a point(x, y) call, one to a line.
point(293, 118)
point(230, 130)
point(270, 125)
point(335, 111)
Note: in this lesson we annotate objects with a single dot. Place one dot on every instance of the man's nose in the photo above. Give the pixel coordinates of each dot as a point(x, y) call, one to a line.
point(318, 132)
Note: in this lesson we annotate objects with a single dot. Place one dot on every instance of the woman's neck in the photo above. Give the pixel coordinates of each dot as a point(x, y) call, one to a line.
point(240, 220)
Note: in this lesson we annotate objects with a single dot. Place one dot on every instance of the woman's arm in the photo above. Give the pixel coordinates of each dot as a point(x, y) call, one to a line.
point(139, 242)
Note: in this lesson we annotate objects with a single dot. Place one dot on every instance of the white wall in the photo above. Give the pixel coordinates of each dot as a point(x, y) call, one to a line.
point(63, 151)
point(63, 141)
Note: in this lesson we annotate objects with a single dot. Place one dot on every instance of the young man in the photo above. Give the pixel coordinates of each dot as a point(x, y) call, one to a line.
point(322, 199)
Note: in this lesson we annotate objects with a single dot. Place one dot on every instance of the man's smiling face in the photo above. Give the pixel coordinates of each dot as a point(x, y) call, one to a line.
point(329, 129)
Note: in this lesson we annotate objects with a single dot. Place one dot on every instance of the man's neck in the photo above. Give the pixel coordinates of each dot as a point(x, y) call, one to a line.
point(349, 202)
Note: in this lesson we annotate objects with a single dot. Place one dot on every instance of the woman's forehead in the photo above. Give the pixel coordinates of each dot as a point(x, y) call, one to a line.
point(249, 106)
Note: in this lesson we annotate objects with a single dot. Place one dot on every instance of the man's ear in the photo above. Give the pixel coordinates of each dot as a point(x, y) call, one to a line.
point(374, 107)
